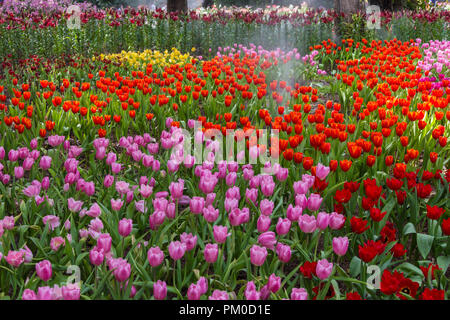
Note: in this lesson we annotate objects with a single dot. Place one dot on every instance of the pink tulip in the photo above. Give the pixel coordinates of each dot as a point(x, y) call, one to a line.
point(266, 207)
point(231, 204)
point(122, 187)
point(323, 269)
point(322, 171)
point(116, 204)
point(153, 148)
point(108, 181)
point(56, 243)
point(314, 202)
point(52, 221)
point(203, 284)
point(155, 256)
point(210, 214)
point(309, 179)
point(146, 191)
point(194, 292)
point(111, 158)
point(233, 193)
point(33, 190)
point(29, 295)
point(8, 222)
point(268, 239)
point(44, 270)
point(94, 211)
point(45, 163)
point(238, 216)
point(116, 167)
point(258, 255)
point(230, 179)
point(282, 174)
point(44, 293)
point(251, 293)
point(100, 153)
point(18, 172)
point(263, 223)
point(220, 233)
point(299, 294)
point(293, 213)
point(157, 219)
point(219, 295)
point(122, 272)
point(267, 187)
point(284, 252)
point(197, 204)
point(301, 201)
point(71, 292)
point(159, 290)
point(177, 250)
point(211, 252)
point(337, 221)
point(283, 226)
point(160, 204)
point(125, 226)
point(274, 283)
point(265, 292)
point(96, 256)
point(171, 211)
point(322, 220)
point(74, 205)
point(251, 195)
point(189, 240)
point(307, 223)
point(176, 189)
point(15, 258)
point(208, 182)
point(210, 197)
point(104, 242)
point(300, 187)
point(340, 245)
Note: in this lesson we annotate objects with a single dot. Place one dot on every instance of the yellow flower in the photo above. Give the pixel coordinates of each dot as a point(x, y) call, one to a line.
point(142, 59)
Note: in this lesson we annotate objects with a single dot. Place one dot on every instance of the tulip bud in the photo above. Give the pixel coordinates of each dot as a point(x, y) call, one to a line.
point(44, 270)
point(125, 226)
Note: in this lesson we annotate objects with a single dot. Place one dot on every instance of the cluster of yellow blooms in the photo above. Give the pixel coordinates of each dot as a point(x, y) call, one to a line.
point(141, 59)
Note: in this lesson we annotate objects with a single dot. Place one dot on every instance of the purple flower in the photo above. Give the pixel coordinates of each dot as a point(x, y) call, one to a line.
point(307, 223)
point(268, 239)
point(74, 205)
point(116, 204)
point(314, 202)
point(197, 204)
point(258, 255)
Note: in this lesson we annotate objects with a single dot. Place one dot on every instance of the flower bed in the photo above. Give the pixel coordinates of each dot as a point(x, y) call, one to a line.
point(119, 171)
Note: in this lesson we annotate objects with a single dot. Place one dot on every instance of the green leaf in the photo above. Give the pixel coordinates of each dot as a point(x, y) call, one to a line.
point(408, 229)
point(424, 243)
point(443, 262)
point(389, 205)
point(410, 268)
point(336, 289)
point(355, 266)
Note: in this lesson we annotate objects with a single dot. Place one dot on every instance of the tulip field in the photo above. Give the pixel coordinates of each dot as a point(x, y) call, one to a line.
point(150, 155)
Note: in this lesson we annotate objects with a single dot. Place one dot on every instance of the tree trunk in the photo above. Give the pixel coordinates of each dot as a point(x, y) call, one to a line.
point(177, 5)
point(207, 3)
point(348, 7)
